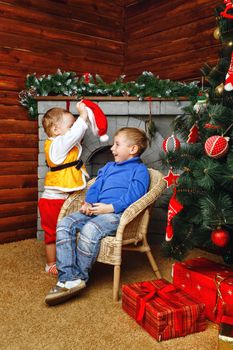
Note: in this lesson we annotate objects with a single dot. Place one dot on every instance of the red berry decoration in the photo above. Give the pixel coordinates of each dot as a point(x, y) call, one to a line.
point(171, 144)
point(220, 237)
point(216, 146)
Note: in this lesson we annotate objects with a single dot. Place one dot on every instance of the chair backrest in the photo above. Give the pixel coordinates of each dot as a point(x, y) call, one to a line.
point(135, 219)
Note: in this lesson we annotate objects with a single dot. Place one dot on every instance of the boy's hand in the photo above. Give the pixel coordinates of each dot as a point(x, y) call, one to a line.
point(85, 209)
point(101, 208)
point(81, 107)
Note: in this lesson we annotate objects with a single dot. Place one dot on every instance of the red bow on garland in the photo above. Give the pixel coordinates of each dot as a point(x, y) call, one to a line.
point(87, 78)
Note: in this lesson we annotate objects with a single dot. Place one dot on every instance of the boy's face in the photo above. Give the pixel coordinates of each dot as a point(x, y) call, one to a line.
point(122, 149)
point(64, 124)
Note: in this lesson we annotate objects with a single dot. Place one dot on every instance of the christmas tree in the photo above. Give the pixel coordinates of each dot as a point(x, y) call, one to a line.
point(199, 156)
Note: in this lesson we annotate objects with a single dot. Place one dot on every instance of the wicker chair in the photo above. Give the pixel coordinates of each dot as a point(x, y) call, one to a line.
point(132, 228)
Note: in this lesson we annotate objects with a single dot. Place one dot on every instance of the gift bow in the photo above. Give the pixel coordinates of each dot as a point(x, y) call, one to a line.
point(150, 292)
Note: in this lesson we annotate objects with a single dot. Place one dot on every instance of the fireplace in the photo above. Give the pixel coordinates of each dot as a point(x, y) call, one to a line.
point(98, 159)
point(120, 112)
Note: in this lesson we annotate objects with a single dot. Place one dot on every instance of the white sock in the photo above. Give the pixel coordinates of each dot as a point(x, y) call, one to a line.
point(47, 267)
point(69, 284)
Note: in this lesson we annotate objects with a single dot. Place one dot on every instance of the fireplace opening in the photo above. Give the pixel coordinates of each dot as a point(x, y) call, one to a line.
point(98, 159)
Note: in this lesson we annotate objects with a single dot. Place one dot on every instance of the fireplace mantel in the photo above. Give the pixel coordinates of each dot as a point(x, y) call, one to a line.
point(106, 98)
point(120, 112)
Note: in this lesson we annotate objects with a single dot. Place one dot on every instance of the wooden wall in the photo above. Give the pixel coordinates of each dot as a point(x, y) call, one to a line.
point(41, 36)
point(172, 39)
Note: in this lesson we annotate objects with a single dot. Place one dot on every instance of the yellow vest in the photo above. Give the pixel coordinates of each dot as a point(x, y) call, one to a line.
point(68, 179)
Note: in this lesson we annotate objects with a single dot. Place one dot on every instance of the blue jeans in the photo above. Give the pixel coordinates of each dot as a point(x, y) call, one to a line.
point(75, 260)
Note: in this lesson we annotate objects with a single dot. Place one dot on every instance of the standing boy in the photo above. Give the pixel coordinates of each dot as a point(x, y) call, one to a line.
point(66, 172)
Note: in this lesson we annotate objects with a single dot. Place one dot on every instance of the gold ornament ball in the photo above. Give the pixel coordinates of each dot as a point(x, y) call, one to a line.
point(217, 33)
point(219, 89)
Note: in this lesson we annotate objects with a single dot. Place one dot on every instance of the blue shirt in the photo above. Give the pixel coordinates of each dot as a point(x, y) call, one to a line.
point(120, 184)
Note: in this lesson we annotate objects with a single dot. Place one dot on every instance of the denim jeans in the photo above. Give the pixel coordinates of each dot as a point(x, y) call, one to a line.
point(75, 260)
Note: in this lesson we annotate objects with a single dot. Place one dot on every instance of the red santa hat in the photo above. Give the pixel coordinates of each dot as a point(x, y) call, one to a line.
point(98, 120)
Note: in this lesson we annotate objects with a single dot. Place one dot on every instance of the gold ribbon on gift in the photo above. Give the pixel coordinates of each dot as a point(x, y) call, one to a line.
point(218, 279)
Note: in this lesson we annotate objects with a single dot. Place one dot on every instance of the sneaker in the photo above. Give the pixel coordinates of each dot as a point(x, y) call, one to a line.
point(64, 291)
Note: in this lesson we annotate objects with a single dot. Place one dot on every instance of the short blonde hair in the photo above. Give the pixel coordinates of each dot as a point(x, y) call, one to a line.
point(51, 117)
point(135, 136)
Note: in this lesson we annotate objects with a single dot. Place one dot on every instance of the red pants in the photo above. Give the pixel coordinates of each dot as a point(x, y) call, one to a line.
point(49, 211)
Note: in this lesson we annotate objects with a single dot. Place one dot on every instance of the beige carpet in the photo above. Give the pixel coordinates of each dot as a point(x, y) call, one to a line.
point(90, 321)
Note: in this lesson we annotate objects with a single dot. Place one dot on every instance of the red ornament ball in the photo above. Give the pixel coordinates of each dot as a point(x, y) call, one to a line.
point(216, 146)
point(171, 144)
point(220, 237)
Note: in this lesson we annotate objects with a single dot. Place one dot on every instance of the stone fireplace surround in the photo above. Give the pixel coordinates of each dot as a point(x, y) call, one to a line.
point(120, 112)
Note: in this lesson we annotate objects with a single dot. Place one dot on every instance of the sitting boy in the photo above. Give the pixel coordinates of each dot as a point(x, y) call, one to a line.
point(117, 186)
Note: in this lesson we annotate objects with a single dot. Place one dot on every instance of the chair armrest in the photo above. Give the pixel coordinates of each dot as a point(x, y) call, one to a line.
point(90, 182)
point(74, 201)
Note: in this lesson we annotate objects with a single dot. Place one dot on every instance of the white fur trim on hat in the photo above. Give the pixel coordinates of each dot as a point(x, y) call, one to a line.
point(92, 122)
point(104, 138)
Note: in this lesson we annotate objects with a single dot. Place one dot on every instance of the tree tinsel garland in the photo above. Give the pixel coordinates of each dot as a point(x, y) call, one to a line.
point(69, 84)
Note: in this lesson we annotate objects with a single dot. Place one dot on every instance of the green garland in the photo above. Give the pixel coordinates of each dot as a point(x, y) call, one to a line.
point(69, 84)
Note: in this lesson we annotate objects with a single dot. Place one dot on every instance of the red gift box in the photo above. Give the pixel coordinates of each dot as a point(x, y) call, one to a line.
point(161, 310)
point(209, 282)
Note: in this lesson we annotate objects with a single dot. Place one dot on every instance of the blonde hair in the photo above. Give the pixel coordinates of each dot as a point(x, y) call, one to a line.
point(135, 136)
point(51, 117)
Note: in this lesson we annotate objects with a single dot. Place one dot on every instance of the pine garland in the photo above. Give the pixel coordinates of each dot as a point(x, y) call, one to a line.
point(69, 84)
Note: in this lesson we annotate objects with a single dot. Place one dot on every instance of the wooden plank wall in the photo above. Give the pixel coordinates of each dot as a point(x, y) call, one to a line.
point(172, 39)
point(41, 36)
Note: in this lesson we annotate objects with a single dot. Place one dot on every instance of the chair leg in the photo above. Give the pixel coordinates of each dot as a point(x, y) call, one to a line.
point(153, 264)
point(116, 282)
